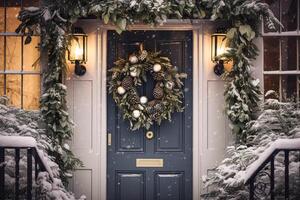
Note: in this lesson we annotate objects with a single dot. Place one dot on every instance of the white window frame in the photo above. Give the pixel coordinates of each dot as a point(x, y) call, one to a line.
point(281, 72)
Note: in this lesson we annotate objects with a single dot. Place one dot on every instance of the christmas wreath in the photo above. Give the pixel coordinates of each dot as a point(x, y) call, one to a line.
point(127, 75)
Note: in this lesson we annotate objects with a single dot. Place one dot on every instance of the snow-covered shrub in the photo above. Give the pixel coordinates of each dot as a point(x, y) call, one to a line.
point(277, 120)
point(17, 122)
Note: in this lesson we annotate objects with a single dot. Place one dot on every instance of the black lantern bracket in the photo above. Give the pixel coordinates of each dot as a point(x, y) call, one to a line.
point(80, 69)
point(219, 68)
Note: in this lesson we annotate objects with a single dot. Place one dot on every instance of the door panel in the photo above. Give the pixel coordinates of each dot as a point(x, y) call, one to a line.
point(172, 141)
point(136, 191)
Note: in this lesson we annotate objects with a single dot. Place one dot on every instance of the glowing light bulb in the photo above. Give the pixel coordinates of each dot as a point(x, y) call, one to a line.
point(78, 53)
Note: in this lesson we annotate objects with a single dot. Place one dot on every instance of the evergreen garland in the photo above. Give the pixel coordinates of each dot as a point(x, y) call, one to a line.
point(54, 18)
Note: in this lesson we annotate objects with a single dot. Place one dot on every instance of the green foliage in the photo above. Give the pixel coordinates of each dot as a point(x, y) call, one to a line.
point(53, 100)
point(242, 91)
point(54, 18)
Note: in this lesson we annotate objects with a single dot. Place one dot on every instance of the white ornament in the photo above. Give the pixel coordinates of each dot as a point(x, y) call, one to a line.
point(143, 100)
point(133, 59)
point(157, 67)
point(121, 90)
point(133, 73)
point(136, 114)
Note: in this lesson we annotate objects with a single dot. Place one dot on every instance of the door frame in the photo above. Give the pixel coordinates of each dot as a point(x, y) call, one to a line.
point(198, 89)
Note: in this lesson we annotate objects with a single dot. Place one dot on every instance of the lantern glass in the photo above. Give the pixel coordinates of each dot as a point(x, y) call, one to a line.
point(78, 48)
point(218, 46)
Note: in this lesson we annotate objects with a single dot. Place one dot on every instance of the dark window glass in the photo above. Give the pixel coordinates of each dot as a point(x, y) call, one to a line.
point(289, 53)
point(271, 53)
point(271, 82)
point(289, 87)
point(289, 15)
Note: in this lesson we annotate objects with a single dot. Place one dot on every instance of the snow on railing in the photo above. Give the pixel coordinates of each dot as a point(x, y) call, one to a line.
point(264, 167)
point(17, 141)
point(25, 142)
point(16, 144)
point(280, 144)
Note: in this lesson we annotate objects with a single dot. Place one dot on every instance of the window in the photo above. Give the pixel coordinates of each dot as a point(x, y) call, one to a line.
point(282, 51)
point(19, 64)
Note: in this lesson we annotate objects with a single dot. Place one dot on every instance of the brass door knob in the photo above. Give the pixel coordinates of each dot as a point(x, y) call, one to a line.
point(149, 135)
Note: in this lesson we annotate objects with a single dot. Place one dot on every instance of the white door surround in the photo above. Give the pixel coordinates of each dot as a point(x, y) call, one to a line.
point(207, 90)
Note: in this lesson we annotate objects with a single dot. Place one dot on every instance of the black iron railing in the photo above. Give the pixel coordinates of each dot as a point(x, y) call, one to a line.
point(261, 175)
point(34, 165)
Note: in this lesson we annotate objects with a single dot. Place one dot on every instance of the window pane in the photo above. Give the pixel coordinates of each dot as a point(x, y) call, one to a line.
point(289, 53)
point(13, 53)
point(31, 55)
point(31, 92)
point(271, 82)
point(289, 87)
point(274, 6)
point(289, 14)
point(12, 11)
point(13, 89)
point(1, 84)
point(1, 53)
point(2, 18)
point(271, 53)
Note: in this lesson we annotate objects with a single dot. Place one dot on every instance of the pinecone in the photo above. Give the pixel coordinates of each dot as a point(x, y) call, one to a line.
point(133, 99)
point(150, 107)
point(158, 76)
point(152, 103)
point(143, 55)
point(158, 92)
point(127, 83)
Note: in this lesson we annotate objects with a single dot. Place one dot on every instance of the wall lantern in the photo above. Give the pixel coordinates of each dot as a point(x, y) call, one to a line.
point(218, 47)
point(77, 53)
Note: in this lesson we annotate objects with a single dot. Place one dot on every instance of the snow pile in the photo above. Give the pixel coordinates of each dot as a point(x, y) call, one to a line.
point(277, 121)
point(28, 124)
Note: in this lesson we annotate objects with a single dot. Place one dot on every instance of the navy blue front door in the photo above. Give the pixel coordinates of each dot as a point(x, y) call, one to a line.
point(172, 142)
